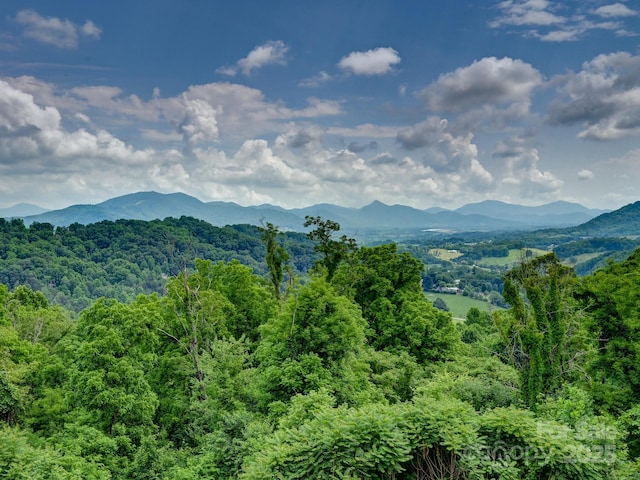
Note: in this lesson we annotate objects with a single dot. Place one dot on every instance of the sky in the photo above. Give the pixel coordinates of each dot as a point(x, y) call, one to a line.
point(293, 103)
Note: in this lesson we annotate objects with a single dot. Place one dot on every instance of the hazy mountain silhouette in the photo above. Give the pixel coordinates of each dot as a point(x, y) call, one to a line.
point(21, 210)
point(488, 215)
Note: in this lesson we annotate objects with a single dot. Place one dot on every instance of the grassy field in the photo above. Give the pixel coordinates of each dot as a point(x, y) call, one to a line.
point(444, 254)
point(573, 261)
point(459, 305)
point(515, 257)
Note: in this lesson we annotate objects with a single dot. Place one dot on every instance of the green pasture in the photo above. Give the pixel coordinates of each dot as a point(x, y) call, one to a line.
point(516, 256)
point(459, 305)
point(444, 254)
point(584, 257)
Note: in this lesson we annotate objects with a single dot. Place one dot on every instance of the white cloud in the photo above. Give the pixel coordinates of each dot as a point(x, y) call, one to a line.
point(603, 98)
point(237, 111)
point(614, 10)
point(199, 123)
point(570, 34)
point(269, 53)
point(44, 93)
point(522, 170)
point(82, 117)
point(244, 112)
point(365, 130)
point(309, 137)
point(90, 29)
point(160, 136)
point(61, 33)
point(489, 81)
point(538, 19)
point(449, 156)
point(423, 134)
point(585, 174)
point(529, 12)
point(255, 166)
point(218, 155)
point(318, 108)
point(315, 81)
point(377, 61)
point(36, 149)
point(575, 31)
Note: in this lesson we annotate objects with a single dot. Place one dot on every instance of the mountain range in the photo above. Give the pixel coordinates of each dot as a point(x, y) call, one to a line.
point(484, 216)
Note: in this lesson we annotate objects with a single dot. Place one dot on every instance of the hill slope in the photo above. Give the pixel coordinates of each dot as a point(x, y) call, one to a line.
point(622, 222)
point(73, 266)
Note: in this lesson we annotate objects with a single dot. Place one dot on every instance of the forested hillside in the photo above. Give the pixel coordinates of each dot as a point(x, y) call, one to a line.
point(347, 372)
point(75, 265)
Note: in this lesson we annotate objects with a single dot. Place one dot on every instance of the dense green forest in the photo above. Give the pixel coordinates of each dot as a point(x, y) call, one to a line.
point(303, 356)
point(74, 266)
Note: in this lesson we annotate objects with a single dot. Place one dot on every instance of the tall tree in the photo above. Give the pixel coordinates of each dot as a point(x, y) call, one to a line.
point(312, 342)
point(197, 313)
point(612, 301)
point(276, 258)
point(387, 286)
point(536, 325)
point(116, 350)
point(333, 251)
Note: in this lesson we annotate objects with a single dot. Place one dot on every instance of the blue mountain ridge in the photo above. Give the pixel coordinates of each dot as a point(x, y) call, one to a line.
point(488, 215)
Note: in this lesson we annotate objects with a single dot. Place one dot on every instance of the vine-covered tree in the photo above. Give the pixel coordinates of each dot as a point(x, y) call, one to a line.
point(611, 297)
point(276, 258)
point(536, 326)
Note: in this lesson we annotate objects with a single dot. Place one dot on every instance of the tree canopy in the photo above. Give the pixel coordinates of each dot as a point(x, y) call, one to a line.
point(348, 372)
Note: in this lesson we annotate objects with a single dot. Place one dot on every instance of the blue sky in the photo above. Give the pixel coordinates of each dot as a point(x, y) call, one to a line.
point(436, 103)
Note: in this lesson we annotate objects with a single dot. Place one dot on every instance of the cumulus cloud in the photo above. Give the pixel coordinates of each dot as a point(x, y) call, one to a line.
point(245, 112)
point(36, 149)
point(356, 147)
point(306, 137)
point(488, 81)
point(615, 10)
point(36, 133)
point(522, 170)
point(201, 113)
point(377, 61)
point(211, 148)
point(90, 29)
point(585, 174)
point(603, 98)
point(510, 148)
point(423, 134)
point(255, 167)
point(529, 12)
point(452, 156)
point(61, 33)
point(199, 123)
point(269, 53)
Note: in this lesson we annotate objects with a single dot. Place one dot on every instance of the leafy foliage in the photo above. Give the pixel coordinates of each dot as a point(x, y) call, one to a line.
point(348, 375)
point(610, 296)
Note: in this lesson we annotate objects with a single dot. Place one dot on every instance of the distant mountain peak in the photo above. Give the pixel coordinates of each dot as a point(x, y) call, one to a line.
point(486, 215)
point(21, 210)
point(376, 204)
